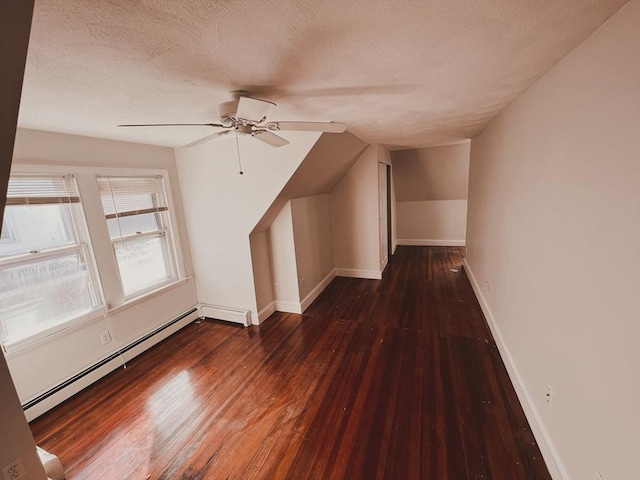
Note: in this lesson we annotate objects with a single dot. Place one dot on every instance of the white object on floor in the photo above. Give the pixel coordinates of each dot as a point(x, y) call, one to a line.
point(52, 465)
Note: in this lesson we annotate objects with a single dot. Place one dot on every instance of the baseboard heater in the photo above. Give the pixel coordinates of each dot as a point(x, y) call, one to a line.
point(234, 315)
point(104, 361)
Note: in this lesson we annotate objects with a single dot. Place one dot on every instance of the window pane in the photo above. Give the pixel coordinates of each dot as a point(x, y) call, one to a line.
point(36, 227)
point(41, 294)
point(148, 222)
point(143, 262)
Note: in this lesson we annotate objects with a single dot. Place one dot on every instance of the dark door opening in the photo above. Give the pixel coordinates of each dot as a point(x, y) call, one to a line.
point(389, 233)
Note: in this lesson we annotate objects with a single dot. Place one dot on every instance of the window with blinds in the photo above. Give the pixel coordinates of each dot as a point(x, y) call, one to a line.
point(47, 277)
point(32, 190)
point(136, 213)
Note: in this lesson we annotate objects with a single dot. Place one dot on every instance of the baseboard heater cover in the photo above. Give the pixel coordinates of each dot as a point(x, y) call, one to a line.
point(104, 361)
point(225, 313)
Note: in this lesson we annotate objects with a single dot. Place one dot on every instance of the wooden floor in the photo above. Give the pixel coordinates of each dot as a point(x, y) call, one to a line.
point(381, 379)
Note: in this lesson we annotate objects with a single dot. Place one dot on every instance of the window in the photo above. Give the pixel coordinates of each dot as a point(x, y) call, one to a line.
point(47, 276)
point(137, 218)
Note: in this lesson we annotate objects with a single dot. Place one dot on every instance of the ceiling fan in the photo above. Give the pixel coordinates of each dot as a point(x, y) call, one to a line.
point(245, 115)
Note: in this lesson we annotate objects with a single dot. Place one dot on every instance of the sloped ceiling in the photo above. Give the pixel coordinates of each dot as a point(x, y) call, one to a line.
point(326, 163)
point(402, 73)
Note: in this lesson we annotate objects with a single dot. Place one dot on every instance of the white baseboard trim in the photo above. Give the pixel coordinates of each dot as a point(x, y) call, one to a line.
point(357, 273)
point(414, 242)
point(95, 372)
point(266, 312)
point(288, 307)
point(383, 265)
point(313, 294)
point(395, 245)
point(549, 453)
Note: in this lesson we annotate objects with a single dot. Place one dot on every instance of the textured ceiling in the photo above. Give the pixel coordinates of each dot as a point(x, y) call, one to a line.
point(403, 73)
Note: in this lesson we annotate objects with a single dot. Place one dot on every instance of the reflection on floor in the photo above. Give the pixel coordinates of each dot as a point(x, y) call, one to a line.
point(396, 378)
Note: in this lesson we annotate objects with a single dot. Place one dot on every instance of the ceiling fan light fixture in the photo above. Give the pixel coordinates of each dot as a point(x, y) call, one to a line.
point(244, 129)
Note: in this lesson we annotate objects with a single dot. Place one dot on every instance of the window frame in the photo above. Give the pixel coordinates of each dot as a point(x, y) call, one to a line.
point(166, 229)
point(102, 259)
point(83, 247)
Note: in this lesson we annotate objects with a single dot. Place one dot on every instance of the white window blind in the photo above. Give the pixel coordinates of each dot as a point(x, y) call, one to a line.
point(126, 196)
point(41, 190)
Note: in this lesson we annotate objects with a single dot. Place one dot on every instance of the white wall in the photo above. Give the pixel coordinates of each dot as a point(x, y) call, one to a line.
point(431, 194)
point(43, 365)
point(222, 208)
point(263, 283)
point(301, 252)
point(313, 241)
point(16, 440)
point(554, 228)
point(432, 222)
point(283, 262)
point(354, 206)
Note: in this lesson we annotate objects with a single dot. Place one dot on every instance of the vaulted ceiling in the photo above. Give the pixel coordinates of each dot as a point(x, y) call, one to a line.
point(403, 73)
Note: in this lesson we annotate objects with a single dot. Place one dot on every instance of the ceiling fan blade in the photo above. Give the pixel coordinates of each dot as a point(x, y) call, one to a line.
point(252, 109)
point(270, 138)
point(327, 127)
point(206, 139)
point(174, 125)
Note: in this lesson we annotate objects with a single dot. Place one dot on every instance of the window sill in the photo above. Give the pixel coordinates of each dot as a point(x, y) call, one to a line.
point(14, 347)
point(130, 302)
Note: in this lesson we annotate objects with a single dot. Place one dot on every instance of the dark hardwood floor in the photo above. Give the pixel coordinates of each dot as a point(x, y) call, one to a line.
point(396, 378)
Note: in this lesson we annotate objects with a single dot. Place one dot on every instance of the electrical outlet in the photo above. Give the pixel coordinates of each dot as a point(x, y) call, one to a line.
point(486, 285)
point(14, 470)
point(463, 232)
point(549, 395)
point(302, 281)
point(276, 287)
point(105, 337)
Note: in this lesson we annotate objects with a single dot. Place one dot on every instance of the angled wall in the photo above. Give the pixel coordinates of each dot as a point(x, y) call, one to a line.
point(222, 208)
point(323, 196)
point(323, 167)
point(355, 222)
point(313, 243)
point(302, 203)
point(284, 271)
point(261, 264)
point(553, 251)
point(431, 187)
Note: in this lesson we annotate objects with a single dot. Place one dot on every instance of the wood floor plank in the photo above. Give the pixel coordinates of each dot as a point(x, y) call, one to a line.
point(397, 378)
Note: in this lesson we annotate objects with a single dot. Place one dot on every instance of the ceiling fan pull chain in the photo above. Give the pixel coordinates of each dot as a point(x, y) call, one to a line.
point(238, 150)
